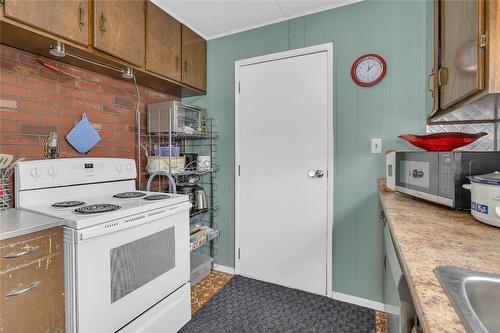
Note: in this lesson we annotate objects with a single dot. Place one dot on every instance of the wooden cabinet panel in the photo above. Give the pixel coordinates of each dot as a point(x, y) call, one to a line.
point(432, 81)
point(194, 59)
point(32, 293)
point(28, 249)
point(462, 57)
point(68, 19)
point(163, 43)
point(120, 29)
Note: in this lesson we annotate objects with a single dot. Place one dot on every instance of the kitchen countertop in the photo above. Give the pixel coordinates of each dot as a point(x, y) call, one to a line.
point(428, 235)
point(14, 222)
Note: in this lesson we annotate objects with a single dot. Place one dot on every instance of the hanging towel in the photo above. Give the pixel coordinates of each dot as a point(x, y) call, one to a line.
point(83, 136)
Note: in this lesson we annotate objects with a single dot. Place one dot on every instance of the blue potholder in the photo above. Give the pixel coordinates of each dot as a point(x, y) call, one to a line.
point(83, 136)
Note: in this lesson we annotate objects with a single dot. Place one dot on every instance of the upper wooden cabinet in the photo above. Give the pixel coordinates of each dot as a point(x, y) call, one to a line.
point(466, 53)
point(164, 54)
point(163, 43)
point(120, 29)
point(462, 53)
point(194, 59)
point(68, 19)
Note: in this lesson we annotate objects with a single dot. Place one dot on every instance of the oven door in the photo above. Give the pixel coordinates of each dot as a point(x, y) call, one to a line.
point(121, 274)
point(417, 174)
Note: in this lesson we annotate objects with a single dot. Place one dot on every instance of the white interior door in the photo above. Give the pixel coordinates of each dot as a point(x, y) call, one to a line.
point(283, 234)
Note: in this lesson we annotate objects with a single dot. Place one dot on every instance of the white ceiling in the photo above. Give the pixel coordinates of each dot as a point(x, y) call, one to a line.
point(212, 19)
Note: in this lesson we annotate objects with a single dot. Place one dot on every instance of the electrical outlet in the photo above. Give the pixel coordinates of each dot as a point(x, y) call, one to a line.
point(376, 145)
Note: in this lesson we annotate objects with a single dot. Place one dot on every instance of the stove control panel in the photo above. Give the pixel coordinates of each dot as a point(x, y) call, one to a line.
point(72, 171)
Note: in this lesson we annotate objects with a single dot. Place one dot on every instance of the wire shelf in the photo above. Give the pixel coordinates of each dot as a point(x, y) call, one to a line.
point(201, 213)
point(208, 238)
point(162, 139)
point(185, 136)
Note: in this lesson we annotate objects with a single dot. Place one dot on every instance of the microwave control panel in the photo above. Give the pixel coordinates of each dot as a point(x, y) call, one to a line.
point(446, 175)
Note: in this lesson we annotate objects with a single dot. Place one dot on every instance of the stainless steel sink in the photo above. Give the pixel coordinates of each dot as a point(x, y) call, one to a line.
point(475, 296)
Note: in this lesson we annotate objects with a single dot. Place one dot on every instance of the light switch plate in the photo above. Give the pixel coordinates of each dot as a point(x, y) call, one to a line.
point(376, 145)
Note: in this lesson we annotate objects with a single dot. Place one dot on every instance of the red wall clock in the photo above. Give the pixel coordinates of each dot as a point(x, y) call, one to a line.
point(368, 70)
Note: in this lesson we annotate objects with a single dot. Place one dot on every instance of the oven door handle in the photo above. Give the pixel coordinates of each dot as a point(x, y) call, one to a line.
point(131, 221)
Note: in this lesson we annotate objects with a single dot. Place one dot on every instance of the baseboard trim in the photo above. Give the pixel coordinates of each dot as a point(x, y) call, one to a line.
point(224, 269)
point(358, 301)
point(392, 309)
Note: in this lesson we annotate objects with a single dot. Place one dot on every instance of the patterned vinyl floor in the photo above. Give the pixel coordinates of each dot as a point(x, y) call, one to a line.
point(204, 290)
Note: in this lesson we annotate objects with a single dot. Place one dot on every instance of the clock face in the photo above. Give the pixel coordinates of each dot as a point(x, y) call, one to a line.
point(368, 70)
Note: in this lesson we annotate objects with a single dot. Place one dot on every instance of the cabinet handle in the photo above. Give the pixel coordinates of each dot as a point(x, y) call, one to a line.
point(382, 217)
point(385, 262)
point(177, 62)
point(185, 65)
point(430, 83)
point(20, 254)
point(442, 76)
point(17, 292)
point(103, 22)
point(82, 15)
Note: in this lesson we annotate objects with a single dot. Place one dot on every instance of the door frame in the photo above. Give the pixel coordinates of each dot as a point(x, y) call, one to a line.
point(328, 48)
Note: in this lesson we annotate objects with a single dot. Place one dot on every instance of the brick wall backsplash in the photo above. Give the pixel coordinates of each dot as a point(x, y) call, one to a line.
point(35, 101)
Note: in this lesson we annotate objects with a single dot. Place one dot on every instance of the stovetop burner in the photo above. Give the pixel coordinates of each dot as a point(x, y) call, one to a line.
point(153, 197)
point(129, 195)
point(97, 208)
point(67, 204)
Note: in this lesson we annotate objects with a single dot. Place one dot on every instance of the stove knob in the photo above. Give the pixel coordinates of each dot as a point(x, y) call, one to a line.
point(35, 172)
point(52, 172)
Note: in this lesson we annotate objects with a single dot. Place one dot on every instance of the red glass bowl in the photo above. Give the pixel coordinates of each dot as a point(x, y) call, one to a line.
point(445, 141)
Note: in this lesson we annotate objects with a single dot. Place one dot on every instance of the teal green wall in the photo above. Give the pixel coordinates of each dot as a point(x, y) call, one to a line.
point(394, 29)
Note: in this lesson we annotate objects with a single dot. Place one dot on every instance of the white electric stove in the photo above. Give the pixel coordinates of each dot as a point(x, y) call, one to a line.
point(126, 251)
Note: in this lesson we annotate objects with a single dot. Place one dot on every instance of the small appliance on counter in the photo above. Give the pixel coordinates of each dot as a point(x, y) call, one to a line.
point(176, 117)
point(438, 176)
point(204, 163)
point(190, 161)
point(485, 197)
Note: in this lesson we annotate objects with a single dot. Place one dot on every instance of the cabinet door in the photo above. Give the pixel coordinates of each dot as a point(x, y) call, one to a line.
point(120, 29)
point(39, 303)
point(163, 43)
point(68, 19)
point(194, 59)
point(32, 294)
point(432, 81)
point(462, 57)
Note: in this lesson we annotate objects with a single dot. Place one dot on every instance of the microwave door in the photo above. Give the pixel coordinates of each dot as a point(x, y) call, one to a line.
point(188, 117)
point(417, 174)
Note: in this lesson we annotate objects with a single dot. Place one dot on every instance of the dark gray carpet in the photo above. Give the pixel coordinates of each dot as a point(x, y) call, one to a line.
point(248, 305)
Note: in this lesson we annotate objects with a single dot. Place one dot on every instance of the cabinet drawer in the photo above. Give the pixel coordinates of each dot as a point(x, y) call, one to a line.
point(21, 251)
point(32, 296)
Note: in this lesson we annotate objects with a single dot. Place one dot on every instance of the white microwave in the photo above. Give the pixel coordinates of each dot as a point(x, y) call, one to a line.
point(175, 117)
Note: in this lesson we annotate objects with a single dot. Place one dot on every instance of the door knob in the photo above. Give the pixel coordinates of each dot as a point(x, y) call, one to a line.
point(315, 173)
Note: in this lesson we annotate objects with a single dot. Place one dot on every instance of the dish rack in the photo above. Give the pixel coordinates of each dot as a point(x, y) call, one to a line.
point(5, 188)
point(173, 145)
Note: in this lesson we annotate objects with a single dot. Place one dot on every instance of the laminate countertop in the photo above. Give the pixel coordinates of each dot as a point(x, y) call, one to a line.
point(427, 235)
point(14, 222)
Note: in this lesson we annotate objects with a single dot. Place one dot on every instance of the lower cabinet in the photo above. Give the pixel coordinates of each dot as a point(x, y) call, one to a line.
point(32, 292)
point(401, 315)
